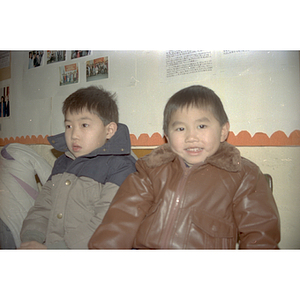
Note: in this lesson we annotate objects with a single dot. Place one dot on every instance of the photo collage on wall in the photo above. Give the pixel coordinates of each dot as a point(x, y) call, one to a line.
point(96, 69)
point(4, 104)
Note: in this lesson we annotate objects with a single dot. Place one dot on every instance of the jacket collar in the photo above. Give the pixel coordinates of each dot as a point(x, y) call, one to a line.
point(227, 157)
point(119, 144)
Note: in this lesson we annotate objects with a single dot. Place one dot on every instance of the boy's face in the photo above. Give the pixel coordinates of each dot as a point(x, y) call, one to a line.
point(85, 132)
point(195, 134)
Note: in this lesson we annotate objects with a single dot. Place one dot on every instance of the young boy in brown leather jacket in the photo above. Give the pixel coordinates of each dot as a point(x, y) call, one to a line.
point(195, 192)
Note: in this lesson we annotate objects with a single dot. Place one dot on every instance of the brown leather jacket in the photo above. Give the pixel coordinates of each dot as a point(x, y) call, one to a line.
point(214, 205)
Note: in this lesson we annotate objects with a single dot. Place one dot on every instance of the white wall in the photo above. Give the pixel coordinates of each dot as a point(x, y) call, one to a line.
point(260, 90)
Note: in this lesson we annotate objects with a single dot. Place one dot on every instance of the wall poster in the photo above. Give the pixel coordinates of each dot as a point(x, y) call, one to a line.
point(68, 74)
point(97, 69)
point(55, 56)
point(35, 59)
point(183, 62)
point(4, 104)
point(5, 58)
point(80, 53)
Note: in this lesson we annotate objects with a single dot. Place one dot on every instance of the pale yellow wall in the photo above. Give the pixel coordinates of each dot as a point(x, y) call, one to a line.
point(282, 163)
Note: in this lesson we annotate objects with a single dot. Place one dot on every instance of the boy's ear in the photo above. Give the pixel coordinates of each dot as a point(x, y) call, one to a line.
point(111, 129)
point(224, 132)
point(167, 138)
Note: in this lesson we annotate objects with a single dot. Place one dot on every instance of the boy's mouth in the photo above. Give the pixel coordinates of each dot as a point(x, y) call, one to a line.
point(196, 149)
point(76, 148)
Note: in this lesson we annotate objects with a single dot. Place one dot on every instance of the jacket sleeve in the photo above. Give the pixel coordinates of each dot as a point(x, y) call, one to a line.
point(78, 237)
point(256, 213)
point(36, 222)
point(127, 210)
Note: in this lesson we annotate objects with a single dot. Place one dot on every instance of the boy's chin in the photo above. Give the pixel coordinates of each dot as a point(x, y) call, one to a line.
point(192, 163)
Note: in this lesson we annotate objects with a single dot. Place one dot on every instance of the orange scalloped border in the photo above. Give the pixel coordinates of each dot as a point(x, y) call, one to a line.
point(243, 138)
point(278, 138)
point(29, 140)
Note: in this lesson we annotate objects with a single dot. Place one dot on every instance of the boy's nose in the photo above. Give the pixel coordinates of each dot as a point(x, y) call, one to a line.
point(75, 133)
point(192, 136)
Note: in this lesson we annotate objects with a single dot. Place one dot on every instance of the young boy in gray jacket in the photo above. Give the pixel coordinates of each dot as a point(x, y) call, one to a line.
point(85, 179)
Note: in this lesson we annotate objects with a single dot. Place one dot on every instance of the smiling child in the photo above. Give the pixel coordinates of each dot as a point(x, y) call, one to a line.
point(195, 192)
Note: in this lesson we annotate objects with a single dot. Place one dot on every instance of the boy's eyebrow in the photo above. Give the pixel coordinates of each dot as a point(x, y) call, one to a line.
point(204, 119)
point(83, 118)
point(176, 123)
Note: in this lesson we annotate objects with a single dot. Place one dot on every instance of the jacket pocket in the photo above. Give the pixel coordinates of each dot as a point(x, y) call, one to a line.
point(210, 232)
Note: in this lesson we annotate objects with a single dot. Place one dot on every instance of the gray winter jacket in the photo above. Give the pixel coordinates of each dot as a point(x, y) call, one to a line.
point(78, 193)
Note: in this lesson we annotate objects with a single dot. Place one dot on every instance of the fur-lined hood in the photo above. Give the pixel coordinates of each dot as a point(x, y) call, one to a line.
point(227, 157)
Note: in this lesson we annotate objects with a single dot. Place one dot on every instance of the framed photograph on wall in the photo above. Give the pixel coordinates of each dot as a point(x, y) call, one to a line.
point(55, 56)
point(80, 53)
point(35, 59)
point(5, 65)
point(97, 69)
point(4, 104)
point(68, 74)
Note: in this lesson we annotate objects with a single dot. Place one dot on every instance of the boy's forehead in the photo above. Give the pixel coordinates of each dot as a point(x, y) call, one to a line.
point(77, 110)
point(190, 111)
point(80, 113)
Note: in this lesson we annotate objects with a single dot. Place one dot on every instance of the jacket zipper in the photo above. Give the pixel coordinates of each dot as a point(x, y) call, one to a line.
point(174, 210)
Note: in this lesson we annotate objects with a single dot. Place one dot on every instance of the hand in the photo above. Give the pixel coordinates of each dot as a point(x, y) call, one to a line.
point(33, 245)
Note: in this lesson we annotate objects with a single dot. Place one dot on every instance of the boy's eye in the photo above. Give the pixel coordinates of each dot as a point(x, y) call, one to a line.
point(201, 126)
point(85, 125)
point(179, 129)
point(68, 126)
